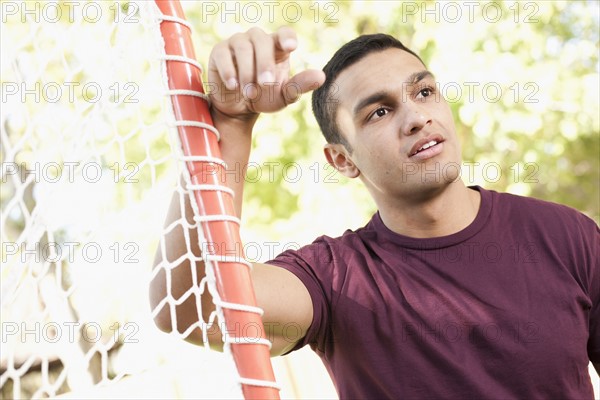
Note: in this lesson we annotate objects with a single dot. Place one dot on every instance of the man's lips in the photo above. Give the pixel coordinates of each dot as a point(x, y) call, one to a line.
point(426, 144)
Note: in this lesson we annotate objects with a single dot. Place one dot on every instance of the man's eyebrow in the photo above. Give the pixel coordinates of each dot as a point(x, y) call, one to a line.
point(376, 97)
point(416, 77)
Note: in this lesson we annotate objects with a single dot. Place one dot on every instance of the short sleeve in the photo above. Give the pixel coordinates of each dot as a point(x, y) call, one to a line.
point(592, 253)
point(313, 265)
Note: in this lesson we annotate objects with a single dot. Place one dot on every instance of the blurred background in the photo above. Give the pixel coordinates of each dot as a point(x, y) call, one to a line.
point(521, 78)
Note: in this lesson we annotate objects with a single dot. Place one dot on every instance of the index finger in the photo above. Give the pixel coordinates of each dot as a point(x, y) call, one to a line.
point(285, 41)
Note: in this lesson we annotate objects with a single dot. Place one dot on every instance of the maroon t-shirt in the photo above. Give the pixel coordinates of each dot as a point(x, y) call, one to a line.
point(509, 307)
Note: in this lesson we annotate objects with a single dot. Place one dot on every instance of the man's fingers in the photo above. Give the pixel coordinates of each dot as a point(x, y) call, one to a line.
point(301, 83)
point(264, 53)
point(221, 61)
point(255, 57)
point(243, 53)
point(252, 57)
point(270, 50)
point(285, 40)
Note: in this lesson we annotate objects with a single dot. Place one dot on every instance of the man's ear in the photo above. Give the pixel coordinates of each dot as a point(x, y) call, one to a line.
point(338, 157)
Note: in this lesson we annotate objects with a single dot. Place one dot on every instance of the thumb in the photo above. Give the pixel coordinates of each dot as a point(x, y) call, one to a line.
point(301, 83)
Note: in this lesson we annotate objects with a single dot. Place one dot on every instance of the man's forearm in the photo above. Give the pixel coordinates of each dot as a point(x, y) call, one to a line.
point(235, 145)
point(236, 140)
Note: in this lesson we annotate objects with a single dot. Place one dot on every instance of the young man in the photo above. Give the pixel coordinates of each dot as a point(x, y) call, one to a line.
point(449, 291)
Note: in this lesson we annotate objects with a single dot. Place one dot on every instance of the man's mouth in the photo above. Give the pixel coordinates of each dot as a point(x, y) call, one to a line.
point(425, 144)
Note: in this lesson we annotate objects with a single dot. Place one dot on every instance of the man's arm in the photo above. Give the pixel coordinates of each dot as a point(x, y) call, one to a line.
point(236, 67)
point(279, 293)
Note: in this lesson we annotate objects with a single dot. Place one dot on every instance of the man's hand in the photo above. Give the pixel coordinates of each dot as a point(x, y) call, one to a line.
point(250, 73)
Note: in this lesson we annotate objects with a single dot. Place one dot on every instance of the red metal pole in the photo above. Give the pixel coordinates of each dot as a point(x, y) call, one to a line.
point(232, 278)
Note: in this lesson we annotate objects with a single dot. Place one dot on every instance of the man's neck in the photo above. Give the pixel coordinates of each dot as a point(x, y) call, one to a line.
point(449, 211)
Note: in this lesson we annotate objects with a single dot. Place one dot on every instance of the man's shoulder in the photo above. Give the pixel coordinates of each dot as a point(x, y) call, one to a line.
point(536, 205)
point(326, 249)
point(350, 238)
point(534, 211)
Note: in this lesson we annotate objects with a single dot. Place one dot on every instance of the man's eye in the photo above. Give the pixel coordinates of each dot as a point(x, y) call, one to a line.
point(425, 92)
point(380, 112)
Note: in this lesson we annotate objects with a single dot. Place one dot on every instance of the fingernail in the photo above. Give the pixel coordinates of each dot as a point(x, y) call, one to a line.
point(266, 77)
point(231, 83)
point(288, 44)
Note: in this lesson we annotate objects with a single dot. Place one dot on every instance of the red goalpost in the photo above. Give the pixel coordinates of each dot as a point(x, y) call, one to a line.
point(213, 206)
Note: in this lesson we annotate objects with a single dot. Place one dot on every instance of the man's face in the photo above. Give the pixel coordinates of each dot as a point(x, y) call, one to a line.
point(400, 129)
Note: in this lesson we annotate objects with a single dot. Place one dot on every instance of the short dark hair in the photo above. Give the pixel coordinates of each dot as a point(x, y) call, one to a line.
point(323, 107)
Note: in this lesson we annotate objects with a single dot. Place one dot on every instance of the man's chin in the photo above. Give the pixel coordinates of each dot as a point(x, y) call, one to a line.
point(426, 189)
point(431, 174)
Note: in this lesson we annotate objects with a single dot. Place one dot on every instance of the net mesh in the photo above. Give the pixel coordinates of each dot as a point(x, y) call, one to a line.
point(87, 171)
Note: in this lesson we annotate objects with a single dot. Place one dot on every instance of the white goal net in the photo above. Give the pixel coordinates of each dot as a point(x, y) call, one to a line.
point(87, 173)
